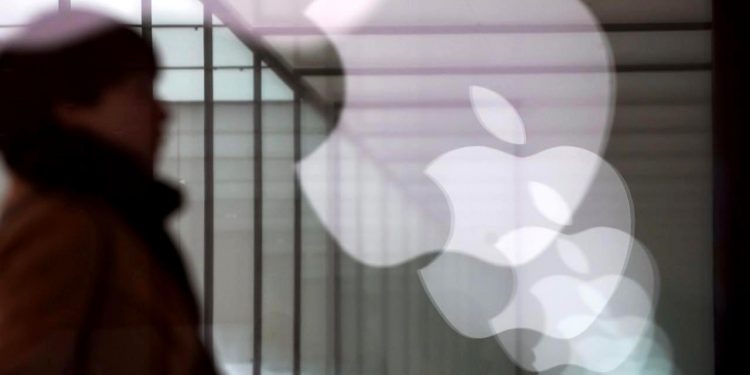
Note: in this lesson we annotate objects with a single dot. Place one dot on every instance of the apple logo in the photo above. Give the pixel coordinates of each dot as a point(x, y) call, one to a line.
point(506, 212)
point(519, 203)
point(487, 117)
point(613, 342)
point(405, 105)
point(563, 291)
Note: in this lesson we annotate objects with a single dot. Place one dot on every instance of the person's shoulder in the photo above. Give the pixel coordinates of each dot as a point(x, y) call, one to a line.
point(53, 221)
point(51, 250)
point(52, 207)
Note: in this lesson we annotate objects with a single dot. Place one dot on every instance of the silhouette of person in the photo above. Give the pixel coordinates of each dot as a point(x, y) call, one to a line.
point(90, 281)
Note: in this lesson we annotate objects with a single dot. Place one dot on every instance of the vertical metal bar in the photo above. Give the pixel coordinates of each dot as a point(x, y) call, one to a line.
point(333, 194)
point(336, 253)
point(146, 20)
point(297, 329)
point(257, 214)
point(426, 312)
point(384, 295)
point(337, 357)
point(406, 299)
point(208, 170)
point(358, 277)
point(63, 5)
point(418, 298)
point(297, 313)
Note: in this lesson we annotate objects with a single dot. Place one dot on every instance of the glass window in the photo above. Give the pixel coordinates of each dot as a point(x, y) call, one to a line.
point(278, 238)
point(233, 85)
point(229, 50)
point(234, 235)
point(384, 319)
point(180, 85)
point(179, 46)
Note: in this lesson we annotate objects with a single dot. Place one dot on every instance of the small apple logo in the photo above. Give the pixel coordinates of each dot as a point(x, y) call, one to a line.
point(399, 123)
point(506, 198)
point(563, 284)
point(613, 341)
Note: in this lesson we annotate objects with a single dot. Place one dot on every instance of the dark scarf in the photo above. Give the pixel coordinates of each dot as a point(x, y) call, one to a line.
point(79, 165)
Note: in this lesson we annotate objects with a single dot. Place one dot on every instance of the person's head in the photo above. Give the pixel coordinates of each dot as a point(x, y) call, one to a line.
point(84, 72)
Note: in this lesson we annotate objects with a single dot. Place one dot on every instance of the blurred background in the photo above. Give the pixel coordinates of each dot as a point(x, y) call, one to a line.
point(280, 298)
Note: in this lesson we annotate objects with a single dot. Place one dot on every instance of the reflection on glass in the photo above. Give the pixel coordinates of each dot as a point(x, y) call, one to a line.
point(18, 12)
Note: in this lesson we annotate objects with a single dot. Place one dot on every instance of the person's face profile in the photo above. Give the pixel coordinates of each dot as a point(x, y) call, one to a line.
point(126, 114)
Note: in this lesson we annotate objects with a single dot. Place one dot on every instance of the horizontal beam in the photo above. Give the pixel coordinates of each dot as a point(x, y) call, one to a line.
point(502, 70)
point(485, 29)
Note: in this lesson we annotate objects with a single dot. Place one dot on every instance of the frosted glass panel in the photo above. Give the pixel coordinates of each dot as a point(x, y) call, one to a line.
point(180, 85)
point(316, 296)
point(182, 163)
point(234, 235)
point(16, 12)
point(177, 12)
point(179, 47)
point(128, 11)
point(278, 240)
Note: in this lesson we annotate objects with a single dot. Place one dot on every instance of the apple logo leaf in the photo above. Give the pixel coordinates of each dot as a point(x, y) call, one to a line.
point(550, 203)
point(573, 325)
point(525, 244)
point(596, 295)
point(497, 115)
point(572, 255)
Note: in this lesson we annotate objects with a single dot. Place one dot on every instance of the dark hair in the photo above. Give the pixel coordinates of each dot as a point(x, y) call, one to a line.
point(33, 80)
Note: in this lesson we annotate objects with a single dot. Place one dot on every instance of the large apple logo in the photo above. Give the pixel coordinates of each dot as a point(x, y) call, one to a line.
point(406, 104)
point(425, 81)
point(519, 203)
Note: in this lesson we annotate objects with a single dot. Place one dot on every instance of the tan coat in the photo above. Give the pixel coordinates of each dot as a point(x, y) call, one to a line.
point(80, 293)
